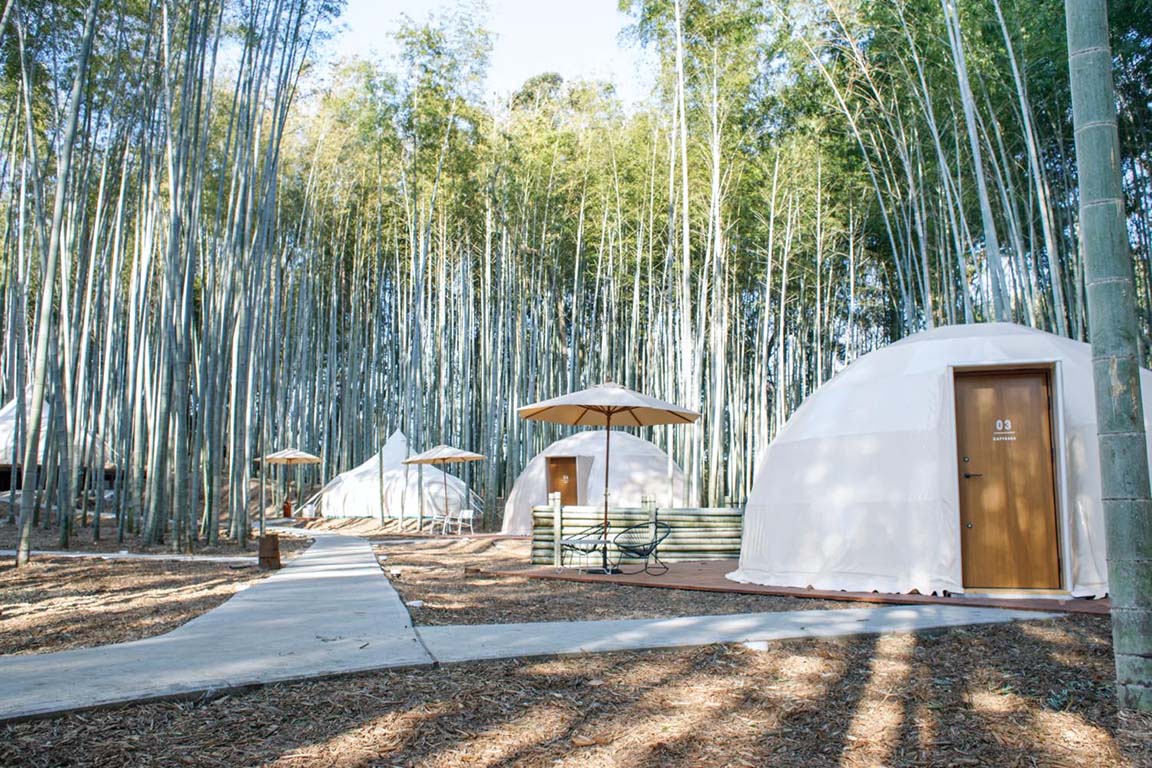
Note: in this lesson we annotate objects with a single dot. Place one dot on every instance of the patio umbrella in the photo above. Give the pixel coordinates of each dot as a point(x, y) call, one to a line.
point(444, 454)
point(291, 456)
point(287, 457)
point(603, 405)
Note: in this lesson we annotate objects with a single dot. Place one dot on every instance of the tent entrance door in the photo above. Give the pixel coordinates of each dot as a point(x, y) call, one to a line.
point(562, 479)
point(1008, 529)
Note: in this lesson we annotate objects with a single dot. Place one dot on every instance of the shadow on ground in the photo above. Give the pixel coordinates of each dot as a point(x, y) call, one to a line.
point(66, 603)
point(1036, 693)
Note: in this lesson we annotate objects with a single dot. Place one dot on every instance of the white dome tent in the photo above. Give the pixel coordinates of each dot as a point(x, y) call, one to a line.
point(384, 487)
point(869, 486)
point(12, 446)
point(639, 469)
point(9, 435)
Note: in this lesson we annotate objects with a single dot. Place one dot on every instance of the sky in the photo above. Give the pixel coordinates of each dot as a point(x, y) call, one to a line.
point(576, 38)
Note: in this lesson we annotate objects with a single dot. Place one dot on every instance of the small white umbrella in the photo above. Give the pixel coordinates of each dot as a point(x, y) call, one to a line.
point(603, 405)
point(444, 454)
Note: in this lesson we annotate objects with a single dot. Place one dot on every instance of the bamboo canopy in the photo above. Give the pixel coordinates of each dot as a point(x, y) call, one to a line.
point(602, 405)
point(193, 282)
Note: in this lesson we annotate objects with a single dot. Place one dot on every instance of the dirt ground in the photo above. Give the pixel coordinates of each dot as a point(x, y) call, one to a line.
point(81, 541)
point(57, 604)
point(441, 573)
point(1031, 694)
point(367, 527)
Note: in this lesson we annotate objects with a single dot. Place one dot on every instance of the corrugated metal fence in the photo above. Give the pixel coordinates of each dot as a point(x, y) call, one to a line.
point(709, 533)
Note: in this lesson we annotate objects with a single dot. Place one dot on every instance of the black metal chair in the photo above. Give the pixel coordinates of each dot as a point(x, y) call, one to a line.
point(585, 542)
point(642, 542)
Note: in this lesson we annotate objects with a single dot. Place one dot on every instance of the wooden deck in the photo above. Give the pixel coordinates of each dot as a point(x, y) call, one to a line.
point(709, 576)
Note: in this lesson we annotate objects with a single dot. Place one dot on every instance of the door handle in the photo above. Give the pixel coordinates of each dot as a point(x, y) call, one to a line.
point(970, 475)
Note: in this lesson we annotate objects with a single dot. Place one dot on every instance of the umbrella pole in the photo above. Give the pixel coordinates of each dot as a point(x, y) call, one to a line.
point(607, 463)
point(444, 471)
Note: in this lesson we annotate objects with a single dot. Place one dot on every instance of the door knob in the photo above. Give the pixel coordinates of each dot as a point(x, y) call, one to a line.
point(969, 525)
point(970, 475)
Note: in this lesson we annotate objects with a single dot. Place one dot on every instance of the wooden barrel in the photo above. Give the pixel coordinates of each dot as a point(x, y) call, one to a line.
point(270, 552)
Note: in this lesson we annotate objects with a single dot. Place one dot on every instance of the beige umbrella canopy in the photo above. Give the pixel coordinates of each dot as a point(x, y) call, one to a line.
point(288, 457)
point(603, 405)
point(444, 454)
point(606, 404)
point(291, 456)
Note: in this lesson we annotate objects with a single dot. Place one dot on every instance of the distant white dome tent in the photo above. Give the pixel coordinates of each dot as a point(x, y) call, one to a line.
point(959, 459)
point(12, 444)
point(639, 469)
point(383, 487)
point(11, 449)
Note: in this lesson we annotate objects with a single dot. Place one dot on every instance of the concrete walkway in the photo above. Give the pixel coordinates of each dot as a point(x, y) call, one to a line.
point(331, 611)
point(502, 641)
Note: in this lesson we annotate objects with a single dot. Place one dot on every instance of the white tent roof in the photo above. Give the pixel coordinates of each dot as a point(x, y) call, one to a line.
point(8, 432)
point(859, 492)
point(357, 492)
point(9, 435)
point(639, 469)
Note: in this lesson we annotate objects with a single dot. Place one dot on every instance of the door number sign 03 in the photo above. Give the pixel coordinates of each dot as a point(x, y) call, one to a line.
point(1004, 432)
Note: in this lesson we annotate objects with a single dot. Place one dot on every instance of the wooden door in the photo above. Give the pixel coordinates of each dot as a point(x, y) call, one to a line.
point(1007, 482)
point(562, 479)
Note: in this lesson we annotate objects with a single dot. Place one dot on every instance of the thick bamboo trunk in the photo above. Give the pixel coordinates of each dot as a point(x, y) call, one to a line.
point(1112, 320)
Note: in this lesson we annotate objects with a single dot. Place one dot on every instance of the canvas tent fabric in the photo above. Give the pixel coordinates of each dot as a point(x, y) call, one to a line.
point(639, 469)
point(383, 485)
point(406, 488)
point(859, 490)
point(356, 493)
point(10, 436)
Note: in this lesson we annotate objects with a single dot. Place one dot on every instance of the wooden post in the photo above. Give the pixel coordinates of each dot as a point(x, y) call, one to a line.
point(420, 484)
point(270, 552)
point(557, 528)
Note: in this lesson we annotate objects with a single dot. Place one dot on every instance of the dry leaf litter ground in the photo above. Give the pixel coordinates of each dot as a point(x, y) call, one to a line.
point(58, 604)
point(454, 581)
point(1028, 694)
point(81, 541)
point(1033, 694)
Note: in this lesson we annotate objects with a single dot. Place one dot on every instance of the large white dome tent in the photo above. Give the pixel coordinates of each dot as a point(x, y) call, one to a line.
point(384, 487)
point(959, 459)
point(639, 469)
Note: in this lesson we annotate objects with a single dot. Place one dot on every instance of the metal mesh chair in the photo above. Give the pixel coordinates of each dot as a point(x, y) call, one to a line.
point(642, 542)
point(585, 542)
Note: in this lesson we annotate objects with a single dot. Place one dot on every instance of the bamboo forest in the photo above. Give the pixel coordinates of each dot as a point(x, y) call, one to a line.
point(222, 236)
